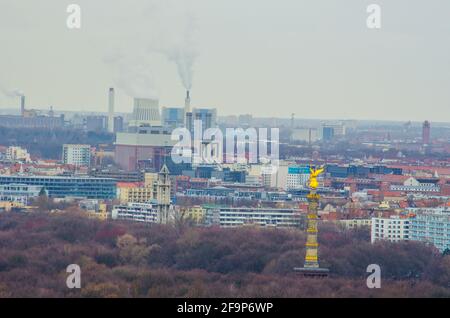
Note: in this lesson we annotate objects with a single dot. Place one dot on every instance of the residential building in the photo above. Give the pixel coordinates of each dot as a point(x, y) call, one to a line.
point(395, 228)
point(265, 217)
point(138, 212)
point(354, 223)
point(17, 154)
point(431, 225)
point(137, 194)
point(77, 155)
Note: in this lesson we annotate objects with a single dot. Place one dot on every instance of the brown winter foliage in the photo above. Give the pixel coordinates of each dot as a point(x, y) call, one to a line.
point(139, 260)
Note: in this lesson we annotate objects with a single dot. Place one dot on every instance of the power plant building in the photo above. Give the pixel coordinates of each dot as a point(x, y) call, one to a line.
point(145, 148)
point(145, 113)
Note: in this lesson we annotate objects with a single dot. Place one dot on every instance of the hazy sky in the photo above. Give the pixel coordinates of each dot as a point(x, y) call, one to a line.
point(315, 58)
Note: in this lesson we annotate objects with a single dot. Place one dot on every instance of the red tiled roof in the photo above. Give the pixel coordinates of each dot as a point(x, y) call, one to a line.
point(129, 184)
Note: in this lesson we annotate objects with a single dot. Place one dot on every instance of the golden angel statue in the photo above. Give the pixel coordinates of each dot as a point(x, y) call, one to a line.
point(314, 173)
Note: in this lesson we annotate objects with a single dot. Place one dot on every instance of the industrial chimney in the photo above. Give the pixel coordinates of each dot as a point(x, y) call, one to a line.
point(22, 105)
point(187, 111)
point(111, 110)
point(187, 103)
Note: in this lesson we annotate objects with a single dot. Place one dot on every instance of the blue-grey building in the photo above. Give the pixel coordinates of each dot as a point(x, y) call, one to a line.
point(173, 117)
point(68, 186)
point(431, 225)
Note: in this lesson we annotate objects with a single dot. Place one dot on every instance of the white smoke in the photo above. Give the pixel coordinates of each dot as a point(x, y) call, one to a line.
point(133, 75)
point(172, 35)
point(165, 28)
point(11, 93)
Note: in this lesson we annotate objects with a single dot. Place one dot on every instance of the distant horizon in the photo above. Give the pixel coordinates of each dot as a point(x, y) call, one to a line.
point(13, 111)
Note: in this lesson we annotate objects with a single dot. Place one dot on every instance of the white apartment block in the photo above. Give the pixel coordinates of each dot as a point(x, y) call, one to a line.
point(391, 229)
point(264, 217)
point(139, 212)
point(77, 155)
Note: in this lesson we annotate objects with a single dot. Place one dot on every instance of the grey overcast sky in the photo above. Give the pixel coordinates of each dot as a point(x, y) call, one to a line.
point(315, 58)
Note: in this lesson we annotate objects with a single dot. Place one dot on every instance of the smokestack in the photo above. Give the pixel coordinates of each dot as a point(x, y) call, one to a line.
point(22, 105)
point(111, 110)
point(187, 103)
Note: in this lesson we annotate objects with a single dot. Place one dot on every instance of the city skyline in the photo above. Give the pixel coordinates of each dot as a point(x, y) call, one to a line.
point(278, 64)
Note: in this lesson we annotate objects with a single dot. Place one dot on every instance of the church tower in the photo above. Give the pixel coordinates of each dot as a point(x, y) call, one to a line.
point(163, 195)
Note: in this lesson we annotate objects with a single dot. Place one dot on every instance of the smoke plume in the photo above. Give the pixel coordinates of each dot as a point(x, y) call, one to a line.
point(11, 93)
point(175, 25)
point(133, 75)
point(165, 29)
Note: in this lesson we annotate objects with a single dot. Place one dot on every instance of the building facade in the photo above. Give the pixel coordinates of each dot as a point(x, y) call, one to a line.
point(17, 154)
point(393, 229)
point(138, 212)
point(19, 193)
point(264, 217)
point(297, 177)
point(77, 155)
point(70, 186)
point(431, 226)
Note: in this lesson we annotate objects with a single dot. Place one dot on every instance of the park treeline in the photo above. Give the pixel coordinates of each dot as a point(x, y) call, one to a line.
point(47, 143)
point(143, 260)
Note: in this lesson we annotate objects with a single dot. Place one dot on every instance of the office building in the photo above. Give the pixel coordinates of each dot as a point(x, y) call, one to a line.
point(20, 193)
point(308, 135)
point(96, 123)
point(70, 186)
point(297, 177)
point(173, 117)
point(207, 116)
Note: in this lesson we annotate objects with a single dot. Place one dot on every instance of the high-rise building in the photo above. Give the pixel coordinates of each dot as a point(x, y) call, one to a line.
point(77, 155)
point(207, 116)
point(327, 133)
point(331, 130)
point(426, 132)
point(173, 117)
point(118, 124)
point(297, 177)
point(96, 123)
point(431, 225)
